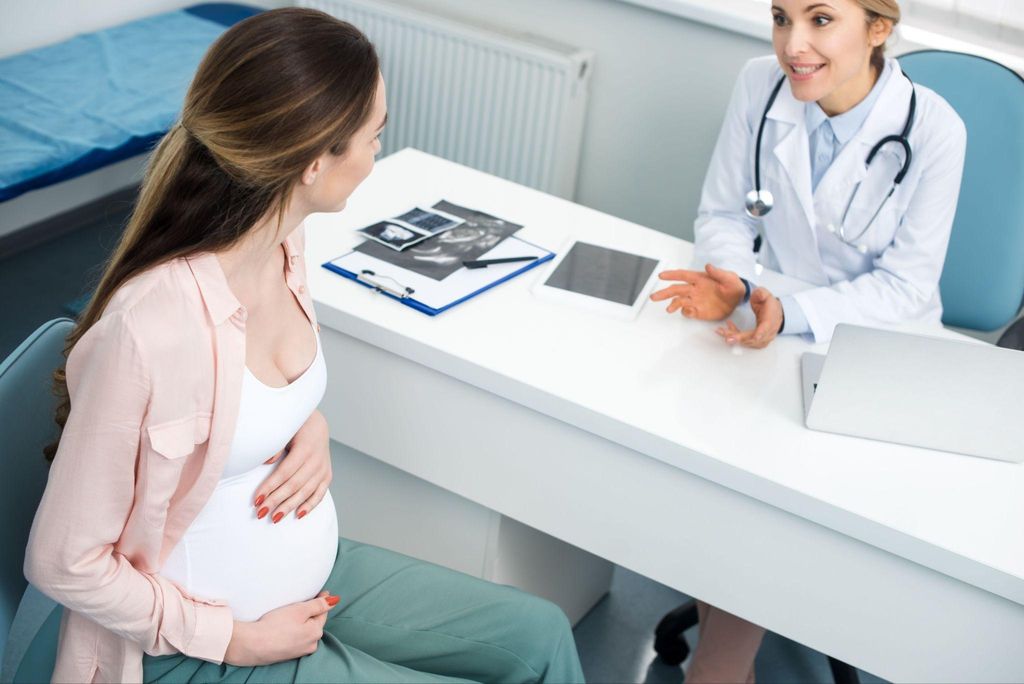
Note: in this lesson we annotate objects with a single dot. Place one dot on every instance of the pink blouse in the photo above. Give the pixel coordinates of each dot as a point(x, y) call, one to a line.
point(155, 388)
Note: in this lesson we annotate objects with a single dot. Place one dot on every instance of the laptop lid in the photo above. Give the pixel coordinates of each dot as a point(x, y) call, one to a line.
point(949, 395)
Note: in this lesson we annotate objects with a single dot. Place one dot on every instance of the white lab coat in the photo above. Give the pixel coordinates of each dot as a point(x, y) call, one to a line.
point(897, 279)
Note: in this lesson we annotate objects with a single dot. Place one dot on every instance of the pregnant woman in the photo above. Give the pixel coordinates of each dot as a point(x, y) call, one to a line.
point(187, 525)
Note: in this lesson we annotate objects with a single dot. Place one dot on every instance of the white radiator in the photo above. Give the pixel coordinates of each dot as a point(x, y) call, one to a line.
point(510, 105)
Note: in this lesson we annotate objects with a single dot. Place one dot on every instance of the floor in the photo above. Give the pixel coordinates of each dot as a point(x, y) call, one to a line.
point(615, 639)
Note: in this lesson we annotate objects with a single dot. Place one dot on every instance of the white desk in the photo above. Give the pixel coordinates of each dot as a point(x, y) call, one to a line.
point(651, 444)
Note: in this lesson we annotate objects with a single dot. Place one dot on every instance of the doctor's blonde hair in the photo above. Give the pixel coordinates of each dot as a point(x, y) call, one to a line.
point(272, 94)
point(887, 10)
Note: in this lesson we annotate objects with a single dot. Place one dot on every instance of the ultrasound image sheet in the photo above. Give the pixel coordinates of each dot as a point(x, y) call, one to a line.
point(441, 255)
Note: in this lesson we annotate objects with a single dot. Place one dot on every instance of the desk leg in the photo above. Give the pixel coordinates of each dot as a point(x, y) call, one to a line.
point(381, 505)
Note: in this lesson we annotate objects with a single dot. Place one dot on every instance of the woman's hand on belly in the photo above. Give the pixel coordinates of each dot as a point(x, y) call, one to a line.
point(289, 632)
point(301, 480)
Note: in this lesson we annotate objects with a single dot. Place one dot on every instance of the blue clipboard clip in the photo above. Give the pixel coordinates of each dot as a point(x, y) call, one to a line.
point(374, 281)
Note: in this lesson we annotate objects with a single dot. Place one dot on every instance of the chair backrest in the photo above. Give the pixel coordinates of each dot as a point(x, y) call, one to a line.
point(982, 282)
point(27, 406)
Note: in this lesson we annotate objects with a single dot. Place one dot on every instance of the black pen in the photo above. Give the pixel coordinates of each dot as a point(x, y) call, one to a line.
point(484, 263)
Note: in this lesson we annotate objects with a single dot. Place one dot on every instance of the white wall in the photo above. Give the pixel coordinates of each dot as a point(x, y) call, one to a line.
point(659, 90)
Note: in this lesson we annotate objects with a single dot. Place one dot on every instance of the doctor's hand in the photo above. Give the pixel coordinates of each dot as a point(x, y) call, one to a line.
point(768, 312)
point(708, 295)
point(300, 482)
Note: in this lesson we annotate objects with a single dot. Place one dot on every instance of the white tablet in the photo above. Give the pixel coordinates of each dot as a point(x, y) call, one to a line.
point(600, 279)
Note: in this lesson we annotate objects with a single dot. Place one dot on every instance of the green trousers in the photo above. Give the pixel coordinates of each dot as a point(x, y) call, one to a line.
point(405, 620)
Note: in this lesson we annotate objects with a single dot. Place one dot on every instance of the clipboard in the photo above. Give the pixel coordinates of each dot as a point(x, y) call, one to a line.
point(436, 296)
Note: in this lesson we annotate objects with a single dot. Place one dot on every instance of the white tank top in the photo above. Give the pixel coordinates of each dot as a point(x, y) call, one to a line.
point(227, 553)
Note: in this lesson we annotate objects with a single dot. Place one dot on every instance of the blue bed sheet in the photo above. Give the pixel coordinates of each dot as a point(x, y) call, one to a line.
point(98, 98)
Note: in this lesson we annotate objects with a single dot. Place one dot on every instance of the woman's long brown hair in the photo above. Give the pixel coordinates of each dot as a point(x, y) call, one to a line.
point(272, 94)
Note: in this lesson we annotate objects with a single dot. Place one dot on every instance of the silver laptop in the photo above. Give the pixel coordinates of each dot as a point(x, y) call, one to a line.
point(950, 395)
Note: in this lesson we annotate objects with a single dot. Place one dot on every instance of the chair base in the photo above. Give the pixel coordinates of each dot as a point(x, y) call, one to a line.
point(672, 648)
point(669, 642)
point(843, 673)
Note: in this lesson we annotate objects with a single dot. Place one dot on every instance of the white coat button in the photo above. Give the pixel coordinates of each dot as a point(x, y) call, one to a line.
point(831, 228)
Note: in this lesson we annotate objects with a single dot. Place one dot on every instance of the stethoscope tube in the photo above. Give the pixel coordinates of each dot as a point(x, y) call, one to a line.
point(759, 202)
point(902, 139)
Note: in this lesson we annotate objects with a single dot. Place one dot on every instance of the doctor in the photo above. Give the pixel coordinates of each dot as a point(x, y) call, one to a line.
point(851, 173)
point(849, 170)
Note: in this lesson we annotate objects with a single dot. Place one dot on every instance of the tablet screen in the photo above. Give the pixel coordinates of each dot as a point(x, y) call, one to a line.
point(603, 273)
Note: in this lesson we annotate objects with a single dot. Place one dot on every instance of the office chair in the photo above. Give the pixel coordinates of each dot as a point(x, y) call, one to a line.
point(982, 284)
point(27, 407)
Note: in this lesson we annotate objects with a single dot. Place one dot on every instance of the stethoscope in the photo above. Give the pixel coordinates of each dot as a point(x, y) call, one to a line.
point(759, 202)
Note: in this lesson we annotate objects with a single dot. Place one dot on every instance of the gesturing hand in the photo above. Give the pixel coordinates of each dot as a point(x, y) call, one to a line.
point(768, 312)
point(300, 482)
point(708, 295)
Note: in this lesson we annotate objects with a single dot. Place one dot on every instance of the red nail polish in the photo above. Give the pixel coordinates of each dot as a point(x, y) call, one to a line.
point(277, 517)
point(333, 600)
point(263, 512)
point(259, 499)
point(301, 515)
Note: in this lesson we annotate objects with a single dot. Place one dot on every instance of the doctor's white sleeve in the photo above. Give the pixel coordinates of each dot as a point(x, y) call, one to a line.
point(723, 233)
point(905, 277)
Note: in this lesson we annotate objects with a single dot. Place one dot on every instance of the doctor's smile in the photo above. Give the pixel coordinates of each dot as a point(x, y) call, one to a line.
point(801, 72)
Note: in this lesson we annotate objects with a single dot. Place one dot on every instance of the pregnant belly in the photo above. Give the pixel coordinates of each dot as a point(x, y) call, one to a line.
point(254, 565)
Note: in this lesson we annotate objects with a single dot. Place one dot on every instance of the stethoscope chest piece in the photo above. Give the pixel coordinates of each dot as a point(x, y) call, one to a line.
point(759, 203)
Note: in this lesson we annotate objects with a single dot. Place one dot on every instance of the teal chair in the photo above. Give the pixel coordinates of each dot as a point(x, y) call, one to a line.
point(27, 407)
point(982, 282)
